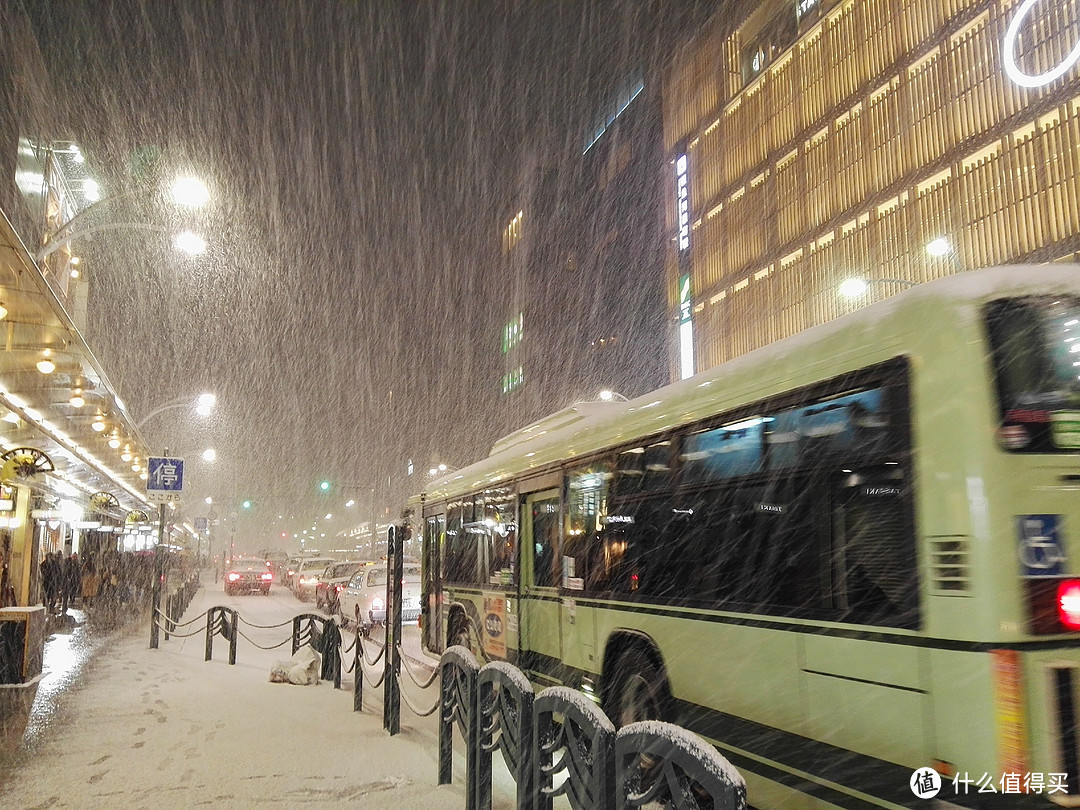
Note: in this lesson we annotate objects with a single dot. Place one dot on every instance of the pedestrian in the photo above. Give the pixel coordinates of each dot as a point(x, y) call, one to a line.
point(51, 574)
point(71, 582)
point(91, 582)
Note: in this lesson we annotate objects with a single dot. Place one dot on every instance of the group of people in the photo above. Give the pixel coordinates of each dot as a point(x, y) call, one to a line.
point(62, 581)
point(111, 579)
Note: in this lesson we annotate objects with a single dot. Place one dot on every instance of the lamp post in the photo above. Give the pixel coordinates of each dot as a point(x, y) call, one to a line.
point(204, 404)
point(187, 192)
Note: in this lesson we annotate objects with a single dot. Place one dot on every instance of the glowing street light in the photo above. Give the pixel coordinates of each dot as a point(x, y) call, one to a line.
point(190, 243)
point(939, 247)
point(209, 454)
point(190, 192)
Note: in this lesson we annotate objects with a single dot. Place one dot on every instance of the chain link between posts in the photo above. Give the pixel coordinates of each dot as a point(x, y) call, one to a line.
point(165, 629)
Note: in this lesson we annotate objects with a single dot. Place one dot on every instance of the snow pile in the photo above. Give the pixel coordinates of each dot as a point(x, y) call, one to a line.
point(302, 669)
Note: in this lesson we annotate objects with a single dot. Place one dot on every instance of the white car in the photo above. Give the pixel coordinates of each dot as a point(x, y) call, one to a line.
point(364, 600)
point(307, 576)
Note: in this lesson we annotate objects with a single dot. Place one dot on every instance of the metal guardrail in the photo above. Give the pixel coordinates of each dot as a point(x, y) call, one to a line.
point(557, 733)
point(643, 763)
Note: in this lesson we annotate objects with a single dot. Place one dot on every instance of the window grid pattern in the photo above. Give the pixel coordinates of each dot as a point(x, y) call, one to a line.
point(892, 114)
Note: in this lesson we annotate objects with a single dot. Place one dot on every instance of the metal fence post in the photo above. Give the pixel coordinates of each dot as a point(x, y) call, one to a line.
point(232, 636)
point(392, 623)
point(295, 635)
point(358, 677)
point(210, 614)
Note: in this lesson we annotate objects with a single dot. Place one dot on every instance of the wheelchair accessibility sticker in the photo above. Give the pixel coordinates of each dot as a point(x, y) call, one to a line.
point(1041, 547)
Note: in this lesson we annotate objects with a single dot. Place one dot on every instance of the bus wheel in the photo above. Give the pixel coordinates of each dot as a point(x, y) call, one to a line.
point(639, 690)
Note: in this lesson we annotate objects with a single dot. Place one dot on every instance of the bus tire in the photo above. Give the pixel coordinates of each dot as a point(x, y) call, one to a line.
point(639, 689)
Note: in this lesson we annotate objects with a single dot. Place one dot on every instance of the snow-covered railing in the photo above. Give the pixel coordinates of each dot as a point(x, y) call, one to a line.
point(560, 732)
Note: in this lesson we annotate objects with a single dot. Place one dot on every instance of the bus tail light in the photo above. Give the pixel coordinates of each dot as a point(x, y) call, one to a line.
point(1053, 605)
point(1068, 603)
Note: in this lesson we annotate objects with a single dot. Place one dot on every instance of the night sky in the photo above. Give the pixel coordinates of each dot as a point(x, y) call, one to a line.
point(359, 156)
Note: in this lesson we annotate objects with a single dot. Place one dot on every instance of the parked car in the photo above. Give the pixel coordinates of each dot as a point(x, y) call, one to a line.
point(364, 600)
point(332, 582)
point(248, 574)
point(288, 571)
point(307, 576)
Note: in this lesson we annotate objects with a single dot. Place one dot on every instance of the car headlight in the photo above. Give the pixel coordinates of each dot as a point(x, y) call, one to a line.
point(377, 604)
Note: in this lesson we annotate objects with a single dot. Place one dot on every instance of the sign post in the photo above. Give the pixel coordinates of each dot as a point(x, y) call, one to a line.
point(164, 483)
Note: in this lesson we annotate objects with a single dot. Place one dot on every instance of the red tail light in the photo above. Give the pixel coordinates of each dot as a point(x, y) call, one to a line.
point(267, 576)
point(233, 576)
point(339, 588)
point(1068, 603)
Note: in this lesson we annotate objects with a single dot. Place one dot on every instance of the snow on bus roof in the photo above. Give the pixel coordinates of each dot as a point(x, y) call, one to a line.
point(584, 419)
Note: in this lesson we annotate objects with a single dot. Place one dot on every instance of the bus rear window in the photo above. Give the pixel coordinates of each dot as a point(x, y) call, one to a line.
point(1036, 352)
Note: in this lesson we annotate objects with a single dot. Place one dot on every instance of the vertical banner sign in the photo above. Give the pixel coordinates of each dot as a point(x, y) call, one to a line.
point(686, 324)
point(1009, 711)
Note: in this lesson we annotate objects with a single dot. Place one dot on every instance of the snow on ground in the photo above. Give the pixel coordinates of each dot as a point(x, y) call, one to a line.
point(164, 729)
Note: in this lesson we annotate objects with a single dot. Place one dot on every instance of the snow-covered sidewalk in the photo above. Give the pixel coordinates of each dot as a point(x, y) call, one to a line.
point(164, 729)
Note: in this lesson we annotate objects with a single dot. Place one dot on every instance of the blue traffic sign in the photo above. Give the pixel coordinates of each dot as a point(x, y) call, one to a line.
point(164, 478)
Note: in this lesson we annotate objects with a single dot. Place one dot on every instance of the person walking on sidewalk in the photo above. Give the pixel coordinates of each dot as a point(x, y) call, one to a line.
point(91, 582)
point(51, 574)
point(71, 582)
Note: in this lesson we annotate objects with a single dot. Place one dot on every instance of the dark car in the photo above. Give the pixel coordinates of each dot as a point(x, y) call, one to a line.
point(333, 582)
point(247, 574)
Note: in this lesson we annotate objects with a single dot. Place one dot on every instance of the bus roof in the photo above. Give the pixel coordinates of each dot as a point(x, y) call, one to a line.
point(588, 427)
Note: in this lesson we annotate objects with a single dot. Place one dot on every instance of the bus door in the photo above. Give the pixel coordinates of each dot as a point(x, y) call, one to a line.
point(585, 513)
point(541, 573)
point(433, 630)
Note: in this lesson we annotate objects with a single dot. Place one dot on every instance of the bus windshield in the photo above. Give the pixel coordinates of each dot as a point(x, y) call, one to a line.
point(1036, 351)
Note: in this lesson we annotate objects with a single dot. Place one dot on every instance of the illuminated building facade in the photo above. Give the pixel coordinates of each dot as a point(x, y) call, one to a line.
point(813, 141)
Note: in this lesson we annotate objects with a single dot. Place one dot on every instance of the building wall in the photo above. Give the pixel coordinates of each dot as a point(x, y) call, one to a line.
point(876, 127)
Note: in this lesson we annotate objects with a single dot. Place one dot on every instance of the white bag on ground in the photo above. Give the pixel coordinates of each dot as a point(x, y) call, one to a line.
point(302, 669)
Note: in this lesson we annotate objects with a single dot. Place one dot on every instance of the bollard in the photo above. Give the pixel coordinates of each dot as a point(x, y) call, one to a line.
point(167, 618)
point(358, 677)
point(210, 614)
point(232, 637)
point(331, 653)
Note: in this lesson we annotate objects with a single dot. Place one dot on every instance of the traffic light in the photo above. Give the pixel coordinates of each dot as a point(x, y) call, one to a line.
point(324, 486)
point(246, 504)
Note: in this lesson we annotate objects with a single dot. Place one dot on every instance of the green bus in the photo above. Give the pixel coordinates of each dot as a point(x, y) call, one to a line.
point(841, 558)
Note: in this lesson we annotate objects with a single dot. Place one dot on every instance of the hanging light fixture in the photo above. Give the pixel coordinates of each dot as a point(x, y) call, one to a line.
point(77, 400)
point(98, 425)
point(3, 311)
point(114, 441)
point(126, 455)
point(46, 365)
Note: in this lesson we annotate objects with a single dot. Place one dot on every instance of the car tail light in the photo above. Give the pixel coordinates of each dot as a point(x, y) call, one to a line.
point(267, 576)
point(339, 588)
point(233, 576)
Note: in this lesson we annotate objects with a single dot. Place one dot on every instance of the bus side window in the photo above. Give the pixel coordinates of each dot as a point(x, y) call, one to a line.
point(874, 551)
point(587, 510)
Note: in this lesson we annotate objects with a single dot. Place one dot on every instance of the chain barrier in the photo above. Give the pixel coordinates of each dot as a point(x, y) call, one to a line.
point(418, 712)
point(412, 674)
point(247, 638)
point(266, 626)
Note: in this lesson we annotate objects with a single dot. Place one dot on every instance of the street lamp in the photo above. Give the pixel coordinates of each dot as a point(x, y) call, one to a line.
point(612, 396)
point(188, 192)
point(203, 405)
